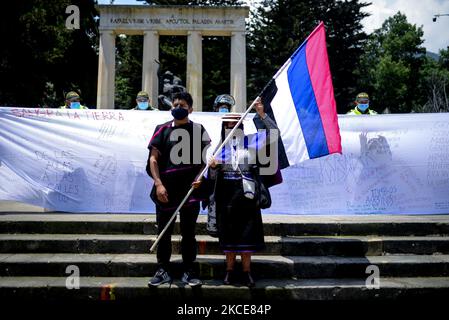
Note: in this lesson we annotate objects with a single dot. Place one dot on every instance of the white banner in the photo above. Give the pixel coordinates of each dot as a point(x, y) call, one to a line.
point(94, 161)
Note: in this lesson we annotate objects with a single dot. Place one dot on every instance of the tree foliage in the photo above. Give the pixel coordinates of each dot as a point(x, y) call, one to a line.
point(434, 80)
point(389, 67)
point(40, 59)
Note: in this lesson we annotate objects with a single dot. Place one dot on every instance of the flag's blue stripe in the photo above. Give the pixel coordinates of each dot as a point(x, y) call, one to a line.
point(306, 105)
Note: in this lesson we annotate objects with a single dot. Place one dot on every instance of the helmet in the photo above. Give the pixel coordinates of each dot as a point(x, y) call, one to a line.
point(224, 99)
point(362, 96)
point(142, 94)
point(71, 95)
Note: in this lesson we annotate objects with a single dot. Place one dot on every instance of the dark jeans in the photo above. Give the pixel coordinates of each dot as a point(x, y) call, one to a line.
point(188, 216)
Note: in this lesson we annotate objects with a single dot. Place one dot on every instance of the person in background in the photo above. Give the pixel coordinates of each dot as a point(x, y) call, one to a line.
point(224, 103)
point(362, 105)
point(143, 102)
point(72, 101)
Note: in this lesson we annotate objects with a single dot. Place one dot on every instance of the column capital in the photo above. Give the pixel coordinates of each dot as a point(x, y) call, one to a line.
point(154, 32)
point(109, 32)
point(192, 32)
point(237, 33)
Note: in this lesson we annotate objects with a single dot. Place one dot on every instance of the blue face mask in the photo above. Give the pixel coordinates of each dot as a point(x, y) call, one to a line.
point(75, 105)
point(142, 105)
point(223, 109)
point(363, 106)
point(179, 113)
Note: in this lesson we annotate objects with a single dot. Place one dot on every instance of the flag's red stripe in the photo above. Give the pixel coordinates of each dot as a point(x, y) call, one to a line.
point(321, 78)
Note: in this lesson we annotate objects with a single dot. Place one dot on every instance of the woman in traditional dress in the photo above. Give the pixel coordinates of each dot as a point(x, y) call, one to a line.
point(239, 219)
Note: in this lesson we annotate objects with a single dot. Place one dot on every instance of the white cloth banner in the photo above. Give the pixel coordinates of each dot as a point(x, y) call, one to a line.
point(94, 161)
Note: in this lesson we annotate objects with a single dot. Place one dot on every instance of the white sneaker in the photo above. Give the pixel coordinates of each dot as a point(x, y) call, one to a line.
point(189, 279)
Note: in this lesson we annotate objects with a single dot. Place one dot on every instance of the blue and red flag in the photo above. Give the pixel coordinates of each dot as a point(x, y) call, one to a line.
point(300, 98)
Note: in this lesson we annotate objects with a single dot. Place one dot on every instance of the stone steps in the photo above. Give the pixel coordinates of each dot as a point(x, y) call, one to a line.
point(274, 225)
point(307, 258)
point(213, 266)
point(270, 290)
point(305, 245)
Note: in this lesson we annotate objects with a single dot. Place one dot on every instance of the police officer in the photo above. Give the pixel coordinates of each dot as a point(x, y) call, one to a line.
point(143, 102)
point(224, 103)
point(362, 105)
point(72, 101)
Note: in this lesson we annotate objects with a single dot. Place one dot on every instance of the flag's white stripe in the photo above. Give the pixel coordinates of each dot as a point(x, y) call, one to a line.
point(287, 120)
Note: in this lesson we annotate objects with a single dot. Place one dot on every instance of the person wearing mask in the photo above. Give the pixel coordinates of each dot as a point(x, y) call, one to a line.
point(224, 103)
point(173, 176)
point(143, 102)
point(362, 105)
point(238, 213)
point(72, 101)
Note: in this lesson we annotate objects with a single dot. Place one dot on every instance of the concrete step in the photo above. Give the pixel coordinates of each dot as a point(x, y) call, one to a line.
point(303, 246)
point(270, 290)
point(213, 266)
point(274, 225)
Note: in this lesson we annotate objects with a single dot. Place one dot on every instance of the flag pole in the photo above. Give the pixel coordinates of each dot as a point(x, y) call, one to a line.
point(201, 175)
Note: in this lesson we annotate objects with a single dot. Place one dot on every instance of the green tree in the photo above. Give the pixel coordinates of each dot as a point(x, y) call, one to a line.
point(389, 67)
point(444, 58)
point(40, 59)
point(278, 27)
point(434, 81)
point(128, 79)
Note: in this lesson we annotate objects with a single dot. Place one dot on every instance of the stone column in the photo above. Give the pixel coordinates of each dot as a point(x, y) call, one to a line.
point(106, 71)
point(238, 70)
point(195, 68)
point(150, 80)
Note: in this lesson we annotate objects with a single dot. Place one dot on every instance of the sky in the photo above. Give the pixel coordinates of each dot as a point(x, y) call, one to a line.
point(419, 12)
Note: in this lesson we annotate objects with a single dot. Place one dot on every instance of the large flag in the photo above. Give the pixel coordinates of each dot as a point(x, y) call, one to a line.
point(300, 98)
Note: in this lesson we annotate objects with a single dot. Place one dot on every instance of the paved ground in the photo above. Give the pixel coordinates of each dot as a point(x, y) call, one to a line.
point(12, 206)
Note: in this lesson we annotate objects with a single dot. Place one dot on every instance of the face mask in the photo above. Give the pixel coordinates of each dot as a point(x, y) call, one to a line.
point(224, 109)
point(363, 106)
point(75, 105)
point(143, 105)
point(179, 113)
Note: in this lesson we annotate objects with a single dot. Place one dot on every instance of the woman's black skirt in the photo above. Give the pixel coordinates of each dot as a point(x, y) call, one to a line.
point(239, 221)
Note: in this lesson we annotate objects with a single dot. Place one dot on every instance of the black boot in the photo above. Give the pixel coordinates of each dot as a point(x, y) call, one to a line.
point(228, 277)
point(248, 279)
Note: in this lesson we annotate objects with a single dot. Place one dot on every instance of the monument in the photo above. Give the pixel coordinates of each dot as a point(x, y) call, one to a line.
point(155, 21)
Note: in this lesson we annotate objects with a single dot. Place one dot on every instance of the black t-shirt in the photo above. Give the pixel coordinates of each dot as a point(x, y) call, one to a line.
point(180, 159)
